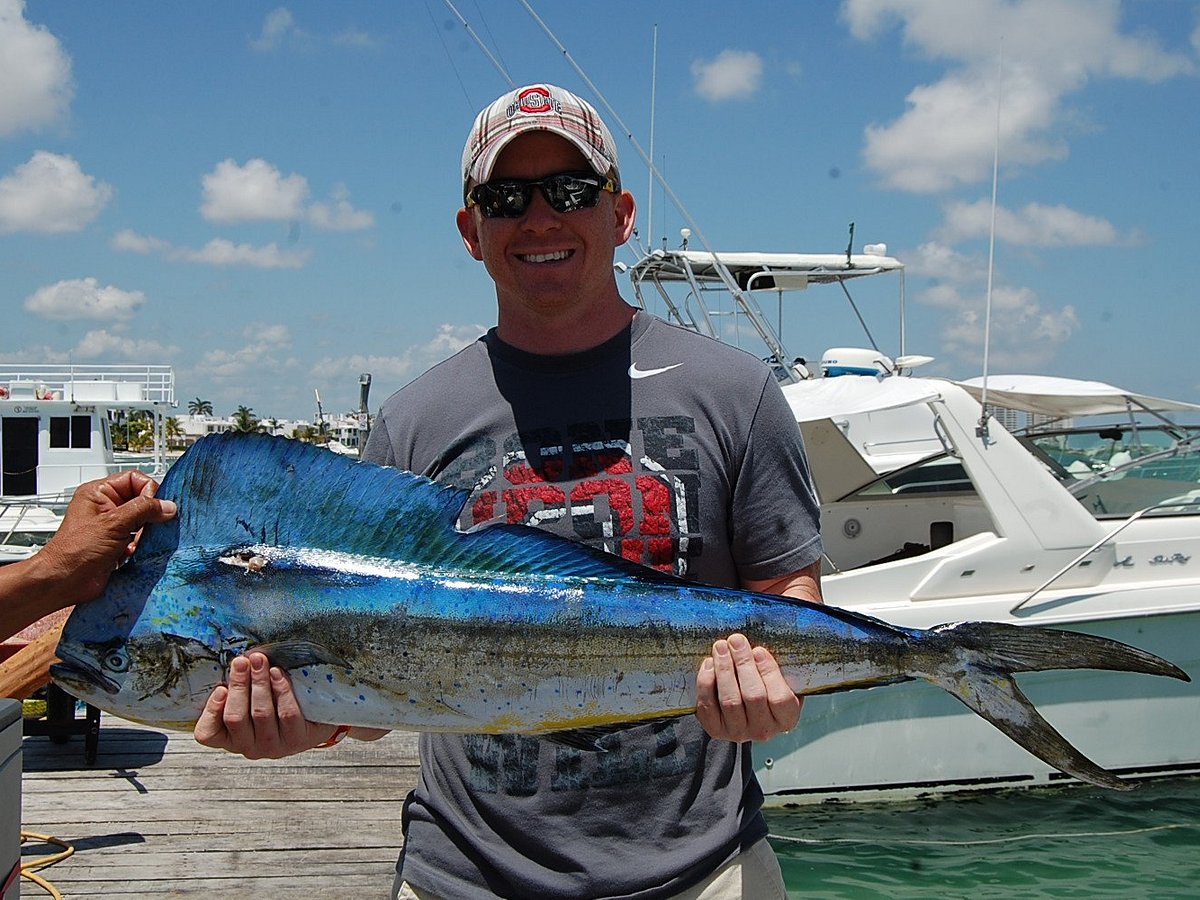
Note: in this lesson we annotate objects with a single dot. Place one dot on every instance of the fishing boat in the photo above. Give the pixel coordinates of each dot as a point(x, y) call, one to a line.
point(934, 511)
point(55, 434)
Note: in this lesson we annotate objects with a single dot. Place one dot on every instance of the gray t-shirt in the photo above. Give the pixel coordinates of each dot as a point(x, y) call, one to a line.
point(674, 451)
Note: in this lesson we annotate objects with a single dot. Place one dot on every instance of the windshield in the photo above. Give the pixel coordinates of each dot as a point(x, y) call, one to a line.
point(1117, 471)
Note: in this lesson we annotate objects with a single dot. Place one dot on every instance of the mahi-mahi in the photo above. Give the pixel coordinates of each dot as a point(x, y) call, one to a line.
point(356, 579)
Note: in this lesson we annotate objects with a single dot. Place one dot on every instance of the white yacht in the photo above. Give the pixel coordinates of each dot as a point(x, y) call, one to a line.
point(934, 512)
point(55, 434)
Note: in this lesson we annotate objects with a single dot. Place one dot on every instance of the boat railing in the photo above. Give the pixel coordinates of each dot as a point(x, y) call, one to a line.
point(15, 510)
point(87, 383)
point(1174, 503)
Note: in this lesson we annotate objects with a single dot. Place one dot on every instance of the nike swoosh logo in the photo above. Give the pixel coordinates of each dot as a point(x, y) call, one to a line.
point(635, 372)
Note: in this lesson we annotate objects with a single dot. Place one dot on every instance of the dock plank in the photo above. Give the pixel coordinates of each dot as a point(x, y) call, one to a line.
point(158, 815)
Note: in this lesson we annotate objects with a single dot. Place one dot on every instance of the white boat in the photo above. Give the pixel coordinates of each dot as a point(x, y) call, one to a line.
point(55, 434)
point(1095, 529)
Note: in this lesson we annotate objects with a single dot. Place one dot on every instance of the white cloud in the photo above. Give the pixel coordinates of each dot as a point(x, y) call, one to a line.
point(35, 73)
point(1050, 50)
point(1025, 330)
point(733, 75)
point(414, 360)
point(263, 333)
point(1034, 225)
point(339, 216)
point(258, 191)
point(83, 298)
point(130, 240)
point(102, 343)
point(217, 252)
point(222, 252)
point(277, 27)
point(253, 192)
point(353, 37)
point(50, 194)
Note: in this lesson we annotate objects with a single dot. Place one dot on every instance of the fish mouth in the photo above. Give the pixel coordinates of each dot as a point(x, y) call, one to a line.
point(71, 671)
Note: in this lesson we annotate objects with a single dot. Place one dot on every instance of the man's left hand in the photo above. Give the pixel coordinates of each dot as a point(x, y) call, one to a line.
point(741, 694)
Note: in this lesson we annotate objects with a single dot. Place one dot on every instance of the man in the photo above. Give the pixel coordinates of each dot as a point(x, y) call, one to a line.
point(96, 535)
point(582, 415)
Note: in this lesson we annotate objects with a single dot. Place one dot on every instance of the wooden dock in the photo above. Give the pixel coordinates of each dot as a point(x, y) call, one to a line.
point(158, 815)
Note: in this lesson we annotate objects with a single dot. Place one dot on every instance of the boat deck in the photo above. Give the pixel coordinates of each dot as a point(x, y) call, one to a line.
point(160, 816)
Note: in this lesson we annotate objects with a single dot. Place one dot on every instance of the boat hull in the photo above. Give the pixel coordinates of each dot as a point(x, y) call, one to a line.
point(916, 739)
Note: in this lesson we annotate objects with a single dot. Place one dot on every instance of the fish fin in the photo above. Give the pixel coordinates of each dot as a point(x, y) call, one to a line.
point(591, 738)
point(236, 489)
point(978, 663)
point(997, 698)
point(297, 654)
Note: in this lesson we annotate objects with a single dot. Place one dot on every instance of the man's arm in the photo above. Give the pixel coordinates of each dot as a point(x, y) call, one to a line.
point(740, 692)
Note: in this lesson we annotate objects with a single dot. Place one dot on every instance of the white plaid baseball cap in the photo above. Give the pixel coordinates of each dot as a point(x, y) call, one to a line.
point(537, 107)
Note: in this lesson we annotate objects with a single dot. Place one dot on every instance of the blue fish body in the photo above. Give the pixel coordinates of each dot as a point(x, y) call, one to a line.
point(355, 578)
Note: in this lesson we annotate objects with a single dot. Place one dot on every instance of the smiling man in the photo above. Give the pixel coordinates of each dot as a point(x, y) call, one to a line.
point(579, 414)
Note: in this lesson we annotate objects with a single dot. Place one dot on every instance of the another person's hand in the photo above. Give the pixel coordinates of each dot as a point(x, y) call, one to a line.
point(741, 694)
point(258, 716)
point(99, 531)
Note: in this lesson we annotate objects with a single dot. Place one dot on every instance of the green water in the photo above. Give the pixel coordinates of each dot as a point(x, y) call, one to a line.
point(1054, 842)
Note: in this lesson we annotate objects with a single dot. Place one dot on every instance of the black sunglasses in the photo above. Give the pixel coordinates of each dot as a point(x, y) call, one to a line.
point(566, 192)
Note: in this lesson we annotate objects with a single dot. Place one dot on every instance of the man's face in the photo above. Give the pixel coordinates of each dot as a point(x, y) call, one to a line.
point(546, 261)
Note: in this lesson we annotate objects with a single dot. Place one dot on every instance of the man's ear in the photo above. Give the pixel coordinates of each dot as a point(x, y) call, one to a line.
point(467, 227)
point(625, 213)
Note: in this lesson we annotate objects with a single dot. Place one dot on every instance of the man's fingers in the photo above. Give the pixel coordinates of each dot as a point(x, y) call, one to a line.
point(210, 727)
point(783, 703)
point(729, 694)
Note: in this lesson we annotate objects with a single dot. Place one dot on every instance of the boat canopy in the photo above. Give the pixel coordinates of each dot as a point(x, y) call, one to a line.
point(1063, 397)
point(829, 398)
point(754, 271)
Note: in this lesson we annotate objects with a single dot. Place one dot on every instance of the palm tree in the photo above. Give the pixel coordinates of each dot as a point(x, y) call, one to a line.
point(243, 419)
point(175, 433)
point(200, 407)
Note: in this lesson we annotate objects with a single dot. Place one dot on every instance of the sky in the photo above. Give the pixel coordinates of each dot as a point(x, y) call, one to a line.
point(263, 195)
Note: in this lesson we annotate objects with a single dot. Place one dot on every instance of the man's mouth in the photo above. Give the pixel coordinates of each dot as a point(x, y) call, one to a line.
point(545, 257)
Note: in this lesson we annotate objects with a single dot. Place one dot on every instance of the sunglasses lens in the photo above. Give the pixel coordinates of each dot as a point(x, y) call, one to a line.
point(506, 199)
point(567, 193)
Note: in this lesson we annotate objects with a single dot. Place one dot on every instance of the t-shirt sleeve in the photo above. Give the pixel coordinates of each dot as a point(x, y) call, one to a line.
point(776, 515)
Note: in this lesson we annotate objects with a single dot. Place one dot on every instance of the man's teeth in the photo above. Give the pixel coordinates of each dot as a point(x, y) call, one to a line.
point(546, 257)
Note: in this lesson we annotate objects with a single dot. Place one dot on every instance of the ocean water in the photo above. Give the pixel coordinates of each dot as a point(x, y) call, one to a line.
point(1070, 841)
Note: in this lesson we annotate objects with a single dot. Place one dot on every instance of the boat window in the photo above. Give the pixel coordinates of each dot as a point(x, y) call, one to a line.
point(941, 474)
point(73, 432)
point(1165, 480)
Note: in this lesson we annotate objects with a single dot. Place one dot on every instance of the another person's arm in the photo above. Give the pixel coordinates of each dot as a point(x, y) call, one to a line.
point(100, 529)
point(740, 692)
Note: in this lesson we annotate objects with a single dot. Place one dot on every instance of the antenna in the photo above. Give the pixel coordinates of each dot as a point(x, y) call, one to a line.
point(981, 429)
point(653, 94)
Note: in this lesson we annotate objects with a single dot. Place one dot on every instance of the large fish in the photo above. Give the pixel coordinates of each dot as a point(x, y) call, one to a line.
point(355, 579)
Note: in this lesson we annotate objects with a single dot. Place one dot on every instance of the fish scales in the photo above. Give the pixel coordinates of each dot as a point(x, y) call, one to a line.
point(355, 579)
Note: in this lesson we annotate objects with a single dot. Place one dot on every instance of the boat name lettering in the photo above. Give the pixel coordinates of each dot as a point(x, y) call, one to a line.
point(1161, 560)
point(25, 409)
point(85, 409)
point(1127, 563)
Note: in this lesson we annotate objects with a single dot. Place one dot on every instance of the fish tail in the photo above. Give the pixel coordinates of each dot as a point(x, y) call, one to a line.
point(977, 668)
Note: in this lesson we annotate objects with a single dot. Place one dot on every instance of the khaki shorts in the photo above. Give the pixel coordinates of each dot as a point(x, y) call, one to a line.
point(751, 875)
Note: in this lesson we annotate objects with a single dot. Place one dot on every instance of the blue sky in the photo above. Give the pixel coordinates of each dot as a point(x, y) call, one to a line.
point(263, 196)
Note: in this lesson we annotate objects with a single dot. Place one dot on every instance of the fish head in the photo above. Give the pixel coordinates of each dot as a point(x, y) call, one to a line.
point(145, 650)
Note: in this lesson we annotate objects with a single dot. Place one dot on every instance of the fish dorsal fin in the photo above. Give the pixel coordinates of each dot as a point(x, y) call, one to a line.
point(240, 489)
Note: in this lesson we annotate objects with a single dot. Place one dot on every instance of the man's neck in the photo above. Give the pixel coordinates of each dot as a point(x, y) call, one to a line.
point(566, 334)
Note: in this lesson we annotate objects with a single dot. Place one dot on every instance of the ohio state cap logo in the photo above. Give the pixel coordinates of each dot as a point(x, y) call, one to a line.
point(534, 101)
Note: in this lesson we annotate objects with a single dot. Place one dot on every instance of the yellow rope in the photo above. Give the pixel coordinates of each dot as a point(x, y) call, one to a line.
point(40, 862)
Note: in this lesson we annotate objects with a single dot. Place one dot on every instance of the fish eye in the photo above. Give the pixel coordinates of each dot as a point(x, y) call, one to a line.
point(116, 661)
